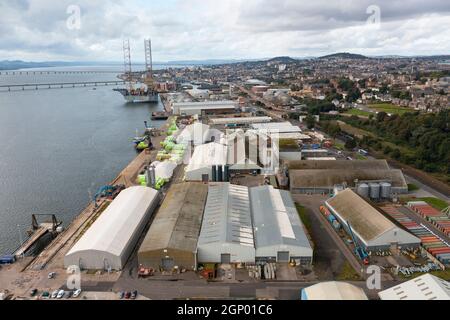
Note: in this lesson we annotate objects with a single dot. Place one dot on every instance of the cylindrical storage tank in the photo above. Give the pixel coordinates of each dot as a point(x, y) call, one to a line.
point(219, 174)
point(374, 190)
point(386, 189)
point(363, 190)
point(214, 174)
point(226, 173)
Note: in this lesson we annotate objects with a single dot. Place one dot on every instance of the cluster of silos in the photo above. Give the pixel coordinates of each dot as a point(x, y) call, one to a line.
point(220, 173)
point(375, 190)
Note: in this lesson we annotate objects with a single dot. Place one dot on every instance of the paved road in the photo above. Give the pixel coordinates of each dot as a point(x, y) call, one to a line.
point(312, 203)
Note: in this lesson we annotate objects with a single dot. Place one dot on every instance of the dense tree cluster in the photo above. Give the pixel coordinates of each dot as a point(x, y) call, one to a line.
point(427, 135)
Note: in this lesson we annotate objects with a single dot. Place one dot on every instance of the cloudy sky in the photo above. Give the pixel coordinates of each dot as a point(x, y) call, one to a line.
point(41, 30)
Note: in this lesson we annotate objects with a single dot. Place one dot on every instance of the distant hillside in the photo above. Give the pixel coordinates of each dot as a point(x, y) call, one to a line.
point(344, 55)
point(282, 60)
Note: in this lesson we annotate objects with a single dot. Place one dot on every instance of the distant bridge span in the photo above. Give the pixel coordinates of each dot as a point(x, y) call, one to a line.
point(43, 72)
point(58, 85)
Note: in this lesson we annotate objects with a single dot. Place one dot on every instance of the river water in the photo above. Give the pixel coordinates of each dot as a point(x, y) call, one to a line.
point(58, 146)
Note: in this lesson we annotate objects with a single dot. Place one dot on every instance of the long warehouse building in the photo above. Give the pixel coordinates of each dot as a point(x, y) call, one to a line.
point(373, 229)
point(226, 235)
point(173, 235)
point(108, 243)
point(279, 233)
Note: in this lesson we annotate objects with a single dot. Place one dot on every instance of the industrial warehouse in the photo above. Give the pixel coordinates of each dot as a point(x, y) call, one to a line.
point(279, 233)
point(222, 223)
point(108, 243)
point(172, 238)
point(426, 287)
point(373, 230)
point(320, 177)
point(208, 107)
point(227, 233)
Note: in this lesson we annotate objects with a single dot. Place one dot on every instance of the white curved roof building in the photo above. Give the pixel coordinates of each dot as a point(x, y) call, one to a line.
point(333, 291)
point(109, 242)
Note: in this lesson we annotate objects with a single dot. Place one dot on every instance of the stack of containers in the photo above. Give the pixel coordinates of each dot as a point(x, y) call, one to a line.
point(434, 216)
point(433, 244)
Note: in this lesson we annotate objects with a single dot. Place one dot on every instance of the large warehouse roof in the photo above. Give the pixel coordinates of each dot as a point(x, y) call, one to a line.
point(328, 178)
point(205, 105)
point(426, 287)
point(239, 120)
point(364, 219)
point(227, 217)
point(282, 127)
point(275, 219)
point(177, 224)
point(333, 291)
point(109, 241)
point(197, 132)
point(339, 164)
point(208, 155)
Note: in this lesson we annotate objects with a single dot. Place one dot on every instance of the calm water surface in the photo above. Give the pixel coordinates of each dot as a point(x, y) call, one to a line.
point(58, 146)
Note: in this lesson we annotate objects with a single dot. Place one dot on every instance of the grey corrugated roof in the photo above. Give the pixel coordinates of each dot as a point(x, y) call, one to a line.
point(275, 218)
point(178, 221)
point(227, 217)
point(338, 164)
point(328, 178)
point(364, 219)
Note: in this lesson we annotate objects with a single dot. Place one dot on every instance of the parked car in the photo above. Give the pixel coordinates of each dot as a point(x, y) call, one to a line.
point(51, 275)
point(134, 295)
point(61, 294)
point(33, 292)
point(76, 293)
point(45, 295)
point(69, 294)
point(55, 294)
point(121, 295)
point(127, 295)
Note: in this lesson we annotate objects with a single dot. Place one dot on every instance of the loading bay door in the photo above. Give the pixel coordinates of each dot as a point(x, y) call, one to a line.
point(167, 264)
point(225, 258)
point(283, 256)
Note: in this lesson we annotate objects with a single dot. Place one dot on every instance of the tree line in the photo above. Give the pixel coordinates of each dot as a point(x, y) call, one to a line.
point(421, 140)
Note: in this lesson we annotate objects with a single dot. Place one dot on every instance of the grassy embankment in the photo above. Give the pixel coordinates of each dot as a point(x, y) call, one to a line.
point(389, 108)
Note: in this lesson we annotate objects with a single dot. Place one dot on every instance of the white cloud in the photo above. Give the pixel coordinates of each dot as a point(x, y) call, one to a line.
point(198, 29)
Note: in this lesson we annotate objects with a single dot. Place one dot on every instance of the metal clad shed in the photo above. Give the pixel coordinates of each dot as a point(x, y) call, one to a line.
point(205, 156)
point(426, 287)
point(373, 229)
point(109, 242)
point(279, 232)
point(226, 235)
point(172, 238)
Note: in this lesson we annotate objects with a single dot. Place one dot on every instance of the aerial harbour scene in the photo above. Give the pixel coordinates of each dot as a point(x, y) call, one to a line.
point(202, 151)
